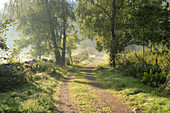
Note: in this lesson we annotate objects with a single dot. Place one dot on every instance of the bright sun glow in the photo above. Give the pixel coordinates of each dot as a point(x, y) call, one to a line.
point(2, 2)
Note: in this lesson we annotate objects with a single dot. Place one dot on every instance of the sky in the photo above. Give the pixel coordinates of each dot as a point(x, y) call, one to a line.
point(9, 40)
point(2, 2)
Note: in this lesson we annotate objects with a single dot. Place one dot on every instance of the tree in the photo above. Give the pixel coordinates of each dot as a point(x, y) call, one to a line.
point(111, 23)
point(72, 41)
point(44, 23)
point(154, 29)
point(65, 15)
point(3, 28)
point(105, 21)
point(151, 22)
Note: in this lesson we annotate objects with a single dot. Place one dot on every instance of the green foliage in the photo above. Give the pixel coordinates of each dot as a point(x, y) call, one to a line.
point(154, 79)
point(42, 26)
point(3, 28)
point(131, 68)
point(90, 59)
point(2, 44)
point(38, 96)
point(14, 75)
point(146, 70)
point(117, 24)
point(153, 28)
point(98, 22)
point(99, 46)
point(17, 74)
point(72, 41)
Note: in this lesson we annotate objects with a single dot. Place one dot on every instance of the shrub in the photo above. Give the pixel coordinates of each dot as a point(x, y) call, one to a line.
point(150, 73)
point(14, 75)
point(154, 79)
point(131, 68)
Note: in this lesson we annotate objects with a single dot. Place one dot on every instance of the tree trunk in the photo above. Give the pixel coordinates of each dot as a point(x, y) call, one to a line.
point(40, 52)
point(112, 48)
point(112, 59)
point(70, 56)
point(52, 28)
point(64, 44)
point(56, 51)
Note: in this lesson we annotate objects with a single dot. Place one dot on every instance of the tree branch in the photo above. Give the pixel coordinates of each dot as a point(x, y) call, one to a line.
point(136, 43)
point(101, 8)
point(168, 58)
point(121, 5)
point(59, 47)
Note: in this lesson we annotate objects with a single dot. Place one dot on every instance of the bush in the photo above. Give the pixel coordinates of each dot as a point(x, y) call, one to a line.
point(14, 75)
point(149, 73)
point(154, 79)
point(130, 68)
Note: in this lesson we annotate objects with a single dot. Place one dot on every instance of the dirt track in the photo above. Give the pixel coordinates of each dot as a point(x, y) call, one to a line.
point(67, 104)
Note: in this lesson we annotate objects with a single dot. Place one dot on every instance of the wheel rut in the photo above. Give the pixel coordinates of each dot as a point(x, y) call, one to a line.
point(115, 105)
point(66, 102)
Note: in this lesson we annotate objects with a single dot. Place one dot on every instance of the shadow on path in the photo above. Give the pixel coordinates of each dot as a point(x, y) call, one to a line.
point(108, 99)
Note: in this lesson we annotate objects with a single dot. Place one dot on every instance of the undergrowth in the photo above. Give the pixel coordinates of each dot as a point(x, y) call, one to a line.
point(39, 95)
point(152, 70)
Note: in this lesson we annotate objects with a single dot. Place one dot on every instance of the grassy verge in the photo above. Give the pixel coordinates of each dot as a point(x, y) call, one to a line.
point(38, 96)
point(133, 92)
point(85, 97)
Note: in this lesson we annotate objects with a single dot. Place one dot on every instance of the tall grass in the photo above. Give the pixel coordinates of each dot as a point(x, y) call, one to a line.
point(39, 95)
